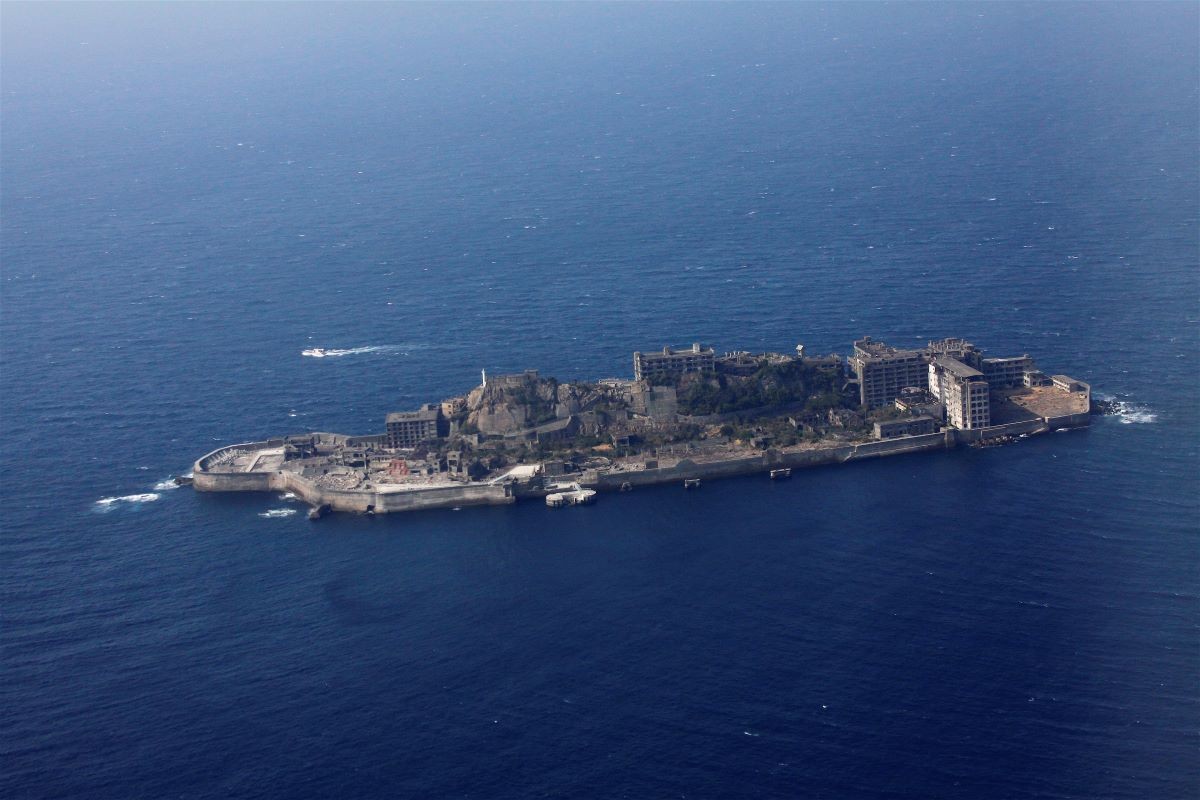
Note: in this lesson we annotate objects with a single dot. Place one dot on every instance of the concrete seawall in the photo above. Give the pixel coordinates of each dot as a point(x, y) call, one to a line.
point(773, 459)
point(468, 494)
point(363, 501)
point(205, 480)
point(360, 501)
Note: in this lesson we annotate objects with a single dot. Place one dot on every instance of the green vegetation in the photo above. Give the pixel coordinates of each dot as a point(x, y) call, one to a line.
point(769, 385)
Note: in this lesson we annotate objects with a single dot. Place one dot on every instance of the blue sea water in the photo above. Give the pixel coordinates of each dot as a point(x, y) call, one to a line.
point(193, 194)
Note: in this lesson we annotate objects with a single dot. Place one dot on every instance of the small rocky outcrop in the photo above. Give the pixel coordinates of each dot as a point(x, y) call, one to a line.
point(512, 403)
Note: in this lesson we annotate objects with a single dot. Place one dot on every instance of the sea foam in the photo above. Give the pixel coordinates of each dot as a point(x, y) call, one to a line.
point(1130, 413)
point(106, 503)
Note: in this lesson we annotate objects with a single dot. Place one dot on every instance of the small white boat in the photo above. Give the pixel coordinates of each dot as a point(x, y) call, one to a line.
point(315, 352)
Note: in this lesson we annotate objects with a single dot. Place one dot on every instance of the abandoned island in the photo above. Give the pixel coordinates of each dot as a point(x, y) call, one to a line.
point(688, 414)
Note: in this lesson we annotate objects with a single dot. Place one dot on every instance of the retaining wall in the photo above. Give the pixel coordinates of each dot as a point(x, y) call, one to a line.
point(206, 481)
point(231, 481)
point(1082, 419)
point(473, 494)
point(492, 494)
point(773, 459)
point(360, 501)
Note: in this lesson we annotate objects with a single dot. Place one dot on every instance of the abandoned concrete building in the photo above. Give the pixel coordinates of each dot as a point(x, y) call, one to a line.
point(408, 428)
point(920, 401)
point(907, 426)
point(1007, 372)
point(956, 348)
point(882, 371)
point(953, 371)
point(673, 362)
point(962, 390)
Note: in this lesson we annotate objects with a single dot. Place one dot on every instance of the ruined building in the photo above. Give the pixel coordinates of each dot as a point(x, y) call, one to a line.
point(408, 428)
point(883, 371)
point(963, 391)
point(673, 362)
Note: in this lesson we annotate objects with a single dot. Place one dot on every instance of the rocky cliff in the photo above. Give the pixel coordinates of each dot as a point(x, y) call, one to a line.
point(512, 403)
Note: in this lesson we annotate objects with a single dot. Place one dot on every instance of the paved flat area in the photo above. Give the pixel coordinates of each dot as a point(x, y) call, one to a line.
point(266, 460)
point(1014, 405)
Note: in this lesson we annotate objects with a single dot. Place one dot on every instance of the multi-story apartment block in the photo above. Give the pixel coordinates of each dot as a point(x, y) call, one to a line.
point(1007, 371)
point(408, 428)
point(963, 390)
point(882, 371)
point(673, 362)
point(959, 349)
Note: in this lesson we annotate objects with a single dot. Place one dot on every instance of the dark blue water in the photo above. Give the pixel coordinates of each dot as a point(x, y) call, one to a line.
point(192, 195)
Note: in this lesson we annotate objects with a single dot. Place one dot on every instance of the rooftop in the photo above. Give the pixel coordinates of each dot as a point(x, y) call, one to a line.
point(901, 422)
point(951, 344)
point(957, 368)
point(680, 351)
point(870, 348)
point(429, 411)
point(1066, 381)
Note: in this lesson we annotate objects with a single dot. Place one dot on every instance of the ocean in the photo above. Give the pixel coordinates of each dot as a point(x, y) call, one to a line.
point(192, 195)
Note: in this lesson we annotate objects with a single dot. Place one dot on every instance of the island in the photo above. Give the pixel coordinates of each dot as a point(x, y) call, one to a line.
point(688, 414)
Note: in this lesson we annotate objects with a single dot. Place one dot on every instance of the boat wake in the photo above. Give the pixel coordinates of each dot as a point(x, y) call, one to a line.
point(322, 352)
point(109, 503)
point(165, 485)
